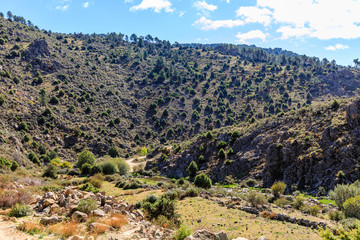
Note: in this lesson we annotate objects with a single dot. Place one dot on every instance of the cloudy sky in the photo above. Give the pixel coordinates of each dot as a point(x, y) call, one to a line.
point(321, 28)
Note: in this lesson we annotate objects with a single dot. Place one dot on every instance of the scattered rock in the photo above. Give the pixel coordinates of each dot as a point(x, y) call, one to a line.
point(79, 216)
point(50, 220)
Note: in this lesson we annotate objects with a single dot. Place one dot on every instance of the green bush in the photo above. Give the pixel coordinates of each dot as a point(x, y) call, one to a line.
point(203, 181)
point(255, 198)
point(54, 100)
point(95, 169)
point(221, 153)
point(122, 166)
point(352, 207)
point(221, 144)
point(86, 169)
point(2, 99)
point(20, 210)
point(278, 188)
point(313, 210)
point(32, 157)
point(50, 171)
point(23, 126)
point(113, 152)
point(133, 184)
point(335, 215)
point(343, 192)
point(88, 187)
point(281, 202)
point(4, 162)
point(144, 151)
point(192, 169)
point(182, 233)
point(108, 168)
point(85, 157)
point(14, 166)
point(299, 202)
point(86, 205)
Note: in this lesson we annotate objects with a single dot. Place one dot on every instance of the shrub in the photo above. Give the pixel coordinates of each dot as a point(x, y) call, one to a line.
point(30, 228)
point(182, 233)
point(231, 151)
point(221, 144)
point(192, 169)
point(281, 202)
point(335, 215)
point(2, 99)
point(20, 210)
point(190, 192)
point(116, 221)
point(313, 210)
point(352, 207)
point(14, 166)
point(350, 223)
point(4, 162)
point(95, 169)
point(88, 187)
point(113, 152)
point(85, 157)
point(87, 205)
point(221, 154)
point(144, 151)
point(72, 109)
point(278, 188)
point(108, 168)
point(86, 169)
point(23, 126)
point(181, 181)
point(123, 167)
point(54, 100)
point(299, 202)
point(66, 164)
point(209, 135)
point(10, 198)
point(96, 181)
point(65, 229)
point(133, 184)
point(50, 171)
point(203, 181)
point(343, 192)
point(335, 105)
point(255, 198)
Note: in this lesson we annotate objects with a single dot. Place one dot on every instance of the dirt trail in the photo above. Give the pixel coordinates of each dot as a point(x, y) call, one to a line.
point(133, 164)
point(8, 231)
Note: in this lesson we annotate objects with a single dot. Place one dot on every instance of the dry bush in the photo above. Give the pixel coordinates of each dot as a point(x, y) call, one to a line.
point(116, 221)
point(28, 181)
point(5, 181)
point(30, 227)
point(129, 193)
point(267, 214)
point(99, 229)
point(138, 168)
point(11, 197)
point(66, 229)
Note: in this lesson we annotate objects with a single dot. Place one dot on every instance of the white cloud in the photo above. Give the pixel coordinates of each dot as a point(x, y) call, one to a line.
point(86, 4)
point(322, 19)
point(128, 1)
point(181, 13)
point(204, 6)
point(208, 24)
point(62, 8)
point(254, 34)
point(255, 15)
point(156, 5)
point(338, 46)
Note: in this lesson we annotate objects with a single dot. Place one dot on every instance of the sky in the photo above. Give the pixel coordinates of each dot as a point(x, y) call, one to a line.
point(321, 28)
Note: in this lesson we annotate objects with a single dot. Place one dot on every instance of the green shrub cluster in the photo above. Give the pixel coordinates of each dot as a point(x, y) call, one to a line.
point(86, 205)
point(203, 181)
point(20, 210)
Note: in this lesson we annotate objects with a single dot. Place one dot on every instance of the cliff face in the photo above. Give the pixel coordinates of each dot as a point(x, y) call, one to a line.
point(306, 148)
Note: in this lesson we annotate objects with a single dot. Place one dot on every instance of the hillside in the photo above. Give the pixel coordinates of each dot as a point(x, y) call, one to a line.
point(313, 147)
point(67, 92)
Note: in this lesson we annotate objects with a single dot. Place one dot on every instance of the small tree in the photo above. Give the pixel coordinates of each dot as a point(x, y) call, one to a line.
point(14, 166)
point(113, 152)
point(203, 181)
point(50, 171)
point(86, 169)
point(85, 157)
point(144, 151)
point(352, 207)
point(221, 153)
point(278, 188)
point(192, 169)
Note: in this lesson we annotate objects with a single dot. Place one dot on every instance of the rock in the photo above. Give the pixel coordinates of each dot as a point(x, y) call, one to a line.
point(77, 238)
point(241, 238)
point(54, 208)
point(107, 208)
point(98, 213)
point(50, 220)
point(48, 202)
point(98, 227)
point(262, 238)
point(79, 216)
point(206, 235)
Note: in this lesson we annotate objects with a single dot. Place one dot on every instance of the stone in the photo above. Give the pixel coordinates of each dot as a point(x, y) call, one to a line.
point(206, 235)
point(240, 238)
point(50, 220)
point(48, 202)
point(107, 208)
point(76, 237)
point(79, 216)
point(262, 238)
point(98, 213)
point(54, 208)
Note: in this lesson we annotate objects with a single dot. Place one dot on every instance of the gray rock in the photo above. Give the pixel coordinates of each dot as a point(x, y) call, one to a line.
point(79, 216)
point(206, 235)
point(98, 213)
point(50, 220)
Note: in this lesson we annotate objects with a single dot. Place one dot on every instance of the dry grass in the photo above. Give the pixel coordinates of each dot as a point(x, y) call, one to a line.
point(99, 229)
point(9, 198)
point(30, 227)
point(66, 229)
point(116, 221)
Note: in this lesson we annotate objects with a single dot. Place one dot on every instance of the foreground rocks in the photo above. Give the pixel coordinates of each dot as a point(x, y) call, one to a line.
point(206, 235)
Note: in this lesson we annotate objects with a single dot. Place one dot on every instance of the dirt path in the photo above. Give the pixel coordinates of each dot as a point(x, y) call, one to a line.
point(133, 164)
point(8, 231)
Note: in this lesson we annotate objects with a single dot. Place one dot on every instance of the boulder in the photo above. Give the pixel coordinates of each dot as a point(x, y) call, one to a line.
point(54, 208)
point(79, 216)
point(50, 220)
point(99, 227)
point(76, 237)
point(98, 213)
point(48, 202)
point(206, 235)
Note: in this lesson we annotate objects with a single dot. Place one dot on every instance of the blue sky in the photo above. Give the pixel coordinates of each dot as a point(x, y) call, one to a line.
point(321, 28)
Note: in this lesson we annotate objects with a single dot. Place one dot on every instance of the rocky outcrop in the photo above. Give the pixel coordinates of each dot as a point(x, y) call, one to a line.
point(206, 235)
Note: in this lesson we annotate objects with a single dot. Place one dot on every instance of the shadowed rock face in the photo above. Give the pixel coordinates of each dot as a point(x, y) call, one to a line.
point(39, 48)
point(308, 164)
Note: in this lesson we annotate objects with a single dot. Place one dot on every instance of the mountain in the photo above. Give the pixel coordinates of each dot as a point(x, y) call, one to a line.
point(69, 92)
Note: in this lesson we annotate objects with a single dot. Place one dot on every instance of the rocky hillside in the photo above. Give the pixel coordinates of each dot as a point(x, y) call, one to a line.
point(67, 92)
point(316, 146)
